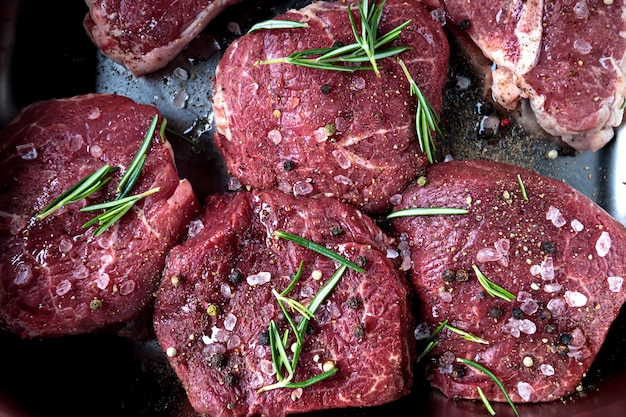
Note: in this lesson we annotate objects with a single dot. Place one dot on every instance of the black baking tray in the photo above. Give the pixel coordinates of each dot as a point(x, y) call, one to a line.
point(45, 53)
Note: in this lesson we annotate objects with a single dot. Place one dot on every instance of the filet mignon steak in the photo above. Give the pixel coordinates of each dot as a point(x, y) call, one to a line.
point(558, 253)
point(215, 304)
point(145, 35)
point(566, 57)
point(57, 278)
point(322, 132)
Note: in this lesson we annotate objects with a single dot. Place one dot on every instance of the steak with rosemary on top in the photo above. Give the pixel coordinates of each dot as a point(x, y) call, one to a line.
point(308, 131)
point(559, 254)
point(214, 307)
point(57, 277)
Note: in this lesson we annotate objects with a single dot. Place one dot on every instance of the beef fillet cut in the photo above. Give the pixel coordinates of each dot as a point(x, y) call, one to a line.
point(145, 35)
point(566, 57)
point(560, 255)
point(215, 304)
point(349, 135)
point(56, 277)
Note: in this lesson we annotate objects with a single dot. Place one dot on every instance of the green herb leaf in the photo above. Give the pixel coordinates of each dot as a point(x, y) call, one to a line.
point(431, 342)
point(114, 210)
point(493, 378)
point(427, 211)
point(318, 248)
point(134, 169)
point(466, 335)
point(426, 119)
point(278, 24)
point(492, 289)
point(485, 401)
point(521, 185)
point(81, 189)
point(368, 46)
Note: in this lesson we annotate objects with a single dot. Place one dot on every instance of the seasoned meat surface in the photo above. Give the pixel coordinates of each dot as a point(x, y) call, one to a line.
point(560, 255)
point(348, 135)
point(56, 277)
point(145, 35)
point(215, 304)
point(566, 57)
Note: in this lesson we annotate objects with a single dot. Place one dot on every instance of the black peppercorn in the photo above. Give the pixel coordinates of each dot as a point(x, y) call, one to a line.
point(353, 302)
point(458, 371)
point(235, 276)
point(566, 338)
point(550, 328)
point(545, 315)
point(359, 331)
point(518, 313)
point(289, 165)
point(562, 350)
point(360, 261)
point(495, 312)
point(449, 275)
point(217, 360)
point(325, 88)
point(336, 230)
point(465, 24)
point(264, 338)
point(310, 329)
point(229, 379)
point(462, 275)
point(548, 247)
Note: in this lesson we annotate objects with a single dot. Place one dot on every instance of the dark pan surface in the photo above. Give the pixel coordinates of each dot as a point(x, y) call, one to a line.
point(45, 53)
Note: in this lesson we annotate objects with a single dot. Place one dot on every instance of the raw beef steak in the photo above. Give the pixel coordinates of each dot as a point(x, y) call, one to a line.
point(310, 131)
point(215, 304)
point(559, 254)
point(57, 278)
point(566, 57)
point(145, 35)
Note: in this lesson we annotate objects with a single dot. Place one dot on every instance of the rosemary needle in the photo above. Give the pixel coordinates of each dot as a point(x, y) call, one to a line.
point(79, 190)
point(278, 24)
point(317, 248)
point(426, 211)
point(426, 119)
point(492, 289)
point(493, 378)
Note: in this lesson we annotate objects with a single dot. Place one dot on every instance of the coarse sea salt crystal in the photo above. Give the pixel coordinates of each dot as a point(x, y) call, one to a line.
point(615, 283)
point(557, 306)
point(546, 369)
point(259, 279)
point(302, 188)
point(575, 299)
point(555, 216)
point(603, 244)
point(275, 136)
point(230, 321)
point(524, 389)
point(527, 327)
point(577, 226)
point(63, 287)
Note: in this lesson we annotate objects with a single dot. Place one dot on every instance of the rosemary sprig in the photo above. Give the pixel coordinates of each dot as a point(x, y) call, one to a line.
point(113, 210)
point(81, 189)
point(426, 119)
point(521, 186)
point(278, 344)
point(493, 378)
point(466, 335)
point(427, 211)
point(318, 248)
point(368, 48)
point(485, 401)
point(278, 24)
point(492, 289)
